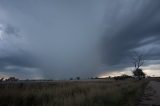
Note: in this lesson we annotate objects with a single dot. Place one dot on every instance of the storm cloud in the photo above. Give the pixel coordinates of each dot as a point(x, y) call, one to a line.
point(61, 39)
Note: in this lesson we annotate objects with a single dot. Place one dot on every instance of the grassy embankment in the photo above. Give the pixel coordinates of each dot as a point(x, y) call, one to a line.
point(72, 93)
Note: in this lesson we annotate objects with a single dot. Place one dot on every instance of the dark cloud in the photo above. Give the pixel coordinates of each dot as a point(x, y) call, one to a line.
point(15, 60)
point(62, 39)
point(10, 30)
point(142, 26)
point(23, 60)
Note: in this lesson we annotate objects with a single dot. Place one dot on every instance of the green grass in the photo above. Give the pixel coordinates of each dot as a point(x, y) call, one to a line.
point(72, 93)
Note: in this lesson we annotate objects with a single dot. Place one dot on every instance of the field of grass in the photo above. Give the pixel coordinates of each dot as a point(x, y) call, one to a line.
point(72, 93)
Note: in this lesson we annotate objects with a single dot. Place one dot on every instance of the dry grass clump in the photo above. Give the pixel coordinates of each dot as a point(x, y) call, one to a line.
point(73, 93)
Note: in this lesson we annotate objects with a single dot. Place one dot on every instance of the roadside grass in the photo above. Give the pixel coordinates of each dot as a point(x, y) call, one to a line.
point(72, 93)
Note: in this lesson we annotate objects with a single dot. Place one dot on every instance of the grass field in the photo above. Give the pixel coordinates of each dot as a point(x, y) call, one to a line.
point(72, 93)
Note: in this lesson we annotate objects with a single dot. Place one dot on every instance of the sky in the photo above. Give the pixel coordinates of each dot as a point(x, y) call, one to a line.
point(60, 39)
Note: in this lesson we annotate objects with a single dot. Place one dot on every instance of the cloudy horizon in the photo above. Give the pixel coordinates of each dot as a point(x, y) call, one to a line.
point(55, 39)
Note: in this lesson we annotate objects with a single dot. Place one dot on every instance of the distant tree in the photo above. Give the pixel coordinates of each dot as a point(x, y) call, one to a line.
point(12, 79)
point(96, 78)
point(125, 76)
point(138, 61)
point(78, 78)
point(71, 78)
point(2, 79)
point(139, 73)
point(91, 78)
point(122, 77)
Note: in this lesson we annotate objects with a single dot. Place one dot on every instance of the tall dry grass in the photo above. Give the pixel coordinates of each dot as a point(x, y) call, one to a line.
point(72, 93)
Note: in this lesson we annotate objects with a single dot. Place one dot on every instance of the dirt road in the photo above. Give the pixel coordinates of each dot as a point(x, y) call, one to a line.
point(152, 95)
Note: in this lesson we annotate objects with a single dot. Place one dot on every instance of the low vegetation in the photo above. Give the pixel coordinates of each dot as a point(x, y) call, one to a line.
point(72, 93)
